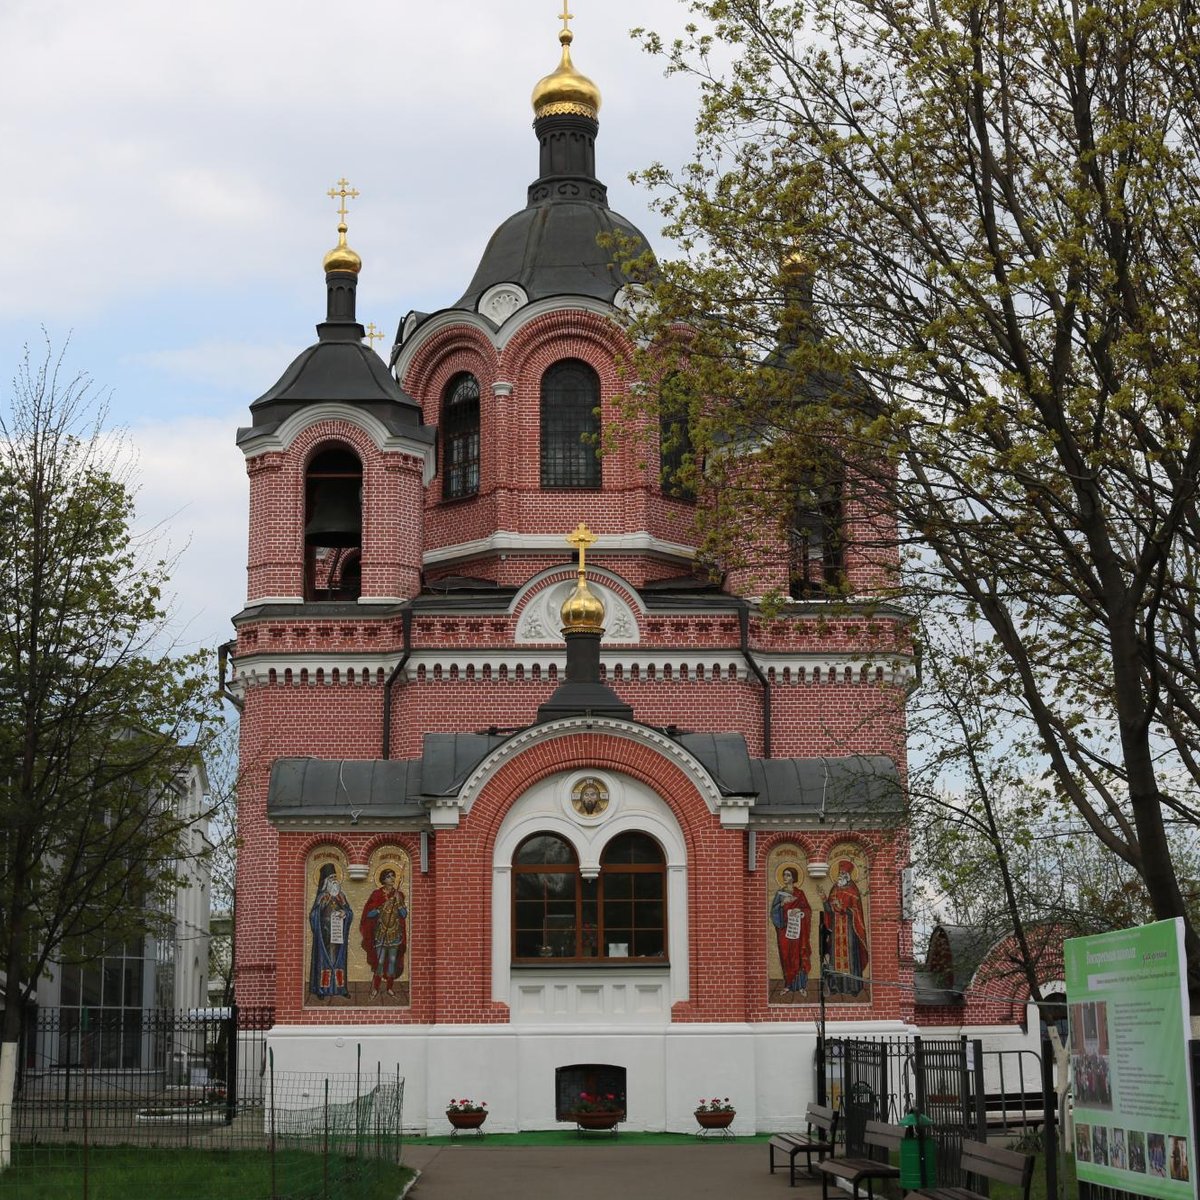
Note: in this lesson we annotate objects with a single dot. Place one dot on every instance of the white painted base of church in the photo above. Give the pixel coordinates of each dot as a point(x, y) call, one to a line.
point(767, 1070)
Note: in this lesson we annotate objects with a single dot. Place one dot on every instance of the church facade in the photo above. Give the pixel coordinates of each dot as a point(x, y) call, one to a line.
point(527, 799)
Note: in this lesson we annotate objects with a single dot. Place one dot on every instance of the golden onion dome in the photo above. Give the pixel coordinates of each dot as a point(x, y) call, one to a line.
point(565, 90)
point(796, 266)
point(341, 257)
point(583, 610)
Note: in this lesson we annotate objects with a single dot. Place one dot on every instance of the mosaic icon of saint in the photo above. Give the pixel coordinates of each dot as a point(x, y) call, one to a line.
point(383, 933)
point(330, 918)
point(791, 915)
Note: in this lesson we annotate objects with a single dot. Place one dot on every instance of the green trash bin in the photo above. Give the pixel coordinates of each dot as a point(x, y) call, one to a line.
point(918, 1161)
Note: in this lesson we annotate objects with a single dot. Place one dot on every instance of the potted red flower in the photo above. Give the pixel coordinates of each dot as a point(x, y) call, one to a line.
point(466, 1114)
point(715, 1113)
point(598, 1110)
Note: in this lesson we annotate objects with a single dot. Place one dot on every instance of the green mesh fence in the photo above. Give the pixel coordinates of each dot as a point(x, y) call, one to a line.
point(308, 1135)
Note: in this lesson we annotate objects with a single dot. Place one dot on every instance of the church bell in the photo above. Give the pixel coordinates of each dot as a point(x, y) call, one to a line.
point(335, 513)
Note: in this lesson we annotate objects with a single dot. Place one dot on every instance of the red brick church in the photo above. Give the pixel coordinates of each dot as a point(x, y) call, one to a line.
point(523, 788)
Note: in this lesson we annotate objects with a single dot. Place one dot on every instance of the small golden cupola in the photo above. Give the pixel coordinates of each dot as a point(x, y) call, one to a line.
point(341, 257)
point(565, 91)
point(583, 610)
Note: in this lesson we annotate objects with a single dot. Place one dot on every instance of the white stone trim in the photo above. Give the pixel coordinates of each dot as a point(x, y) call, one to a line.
point(505, 541)
point(261, 600)
point(536, 735)
point(499, 337)
point(282, 438)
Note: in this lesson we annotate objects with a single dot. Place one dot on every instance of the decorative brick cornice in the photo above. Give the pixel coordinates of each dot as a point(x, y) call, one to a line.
point(452, 664)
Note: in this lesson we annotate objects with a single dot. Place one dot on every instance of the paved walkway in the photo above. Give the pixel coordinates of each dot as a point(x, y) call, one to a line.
point(729, 1170)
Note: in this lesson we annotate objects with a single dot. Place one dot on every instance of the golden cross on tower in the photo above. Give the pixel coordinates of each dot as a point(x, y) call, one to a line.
point(567, 18)
point(343, 189)
point(582, 537)
point(372, 335)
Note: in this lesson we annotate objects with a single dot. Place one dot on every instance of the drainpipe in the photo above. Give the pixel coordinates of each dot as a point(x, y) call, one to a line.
point(406, 625)
point(744, 633)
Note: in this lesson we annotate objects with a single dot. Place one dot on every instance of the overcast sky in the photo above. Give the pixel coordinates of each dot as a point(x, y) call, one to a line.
point(164, 204)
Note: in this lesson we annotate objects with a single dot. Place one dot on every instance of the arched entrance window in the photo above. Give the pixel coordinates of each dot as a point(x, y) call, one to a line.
point(559, 914)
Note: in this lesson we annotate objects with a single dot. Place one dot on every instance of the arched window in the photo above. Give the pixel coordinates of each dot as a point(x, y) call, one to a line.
point(675, 449)
point(816, 547)
point(460, 437)
point(570, 426)
point(333, 525)
point(560, 914)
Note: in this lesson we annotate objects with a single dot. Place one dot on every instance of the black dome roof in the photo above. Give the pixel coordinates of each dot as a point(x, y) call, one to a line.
point(551, 247)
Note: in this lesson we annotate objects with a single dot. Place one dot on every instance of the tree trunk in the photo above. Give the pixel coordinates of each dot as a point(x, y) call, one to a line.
point(8, 1079)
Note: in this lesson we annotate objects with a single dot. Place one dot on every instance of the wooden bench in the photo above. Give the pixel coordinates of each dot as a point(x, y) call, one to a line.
point(991, 1162)
point(820, 1119)
point(880, 1137)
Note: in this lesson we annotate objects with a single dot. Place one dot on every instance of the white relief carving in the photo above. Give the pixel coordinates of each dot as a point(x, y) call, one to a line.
point(500, 302)
point(542, 619)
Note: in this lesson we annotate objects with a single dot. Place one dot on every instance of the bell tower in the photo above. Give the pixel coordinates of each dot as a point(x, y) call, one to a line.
point(337, 456)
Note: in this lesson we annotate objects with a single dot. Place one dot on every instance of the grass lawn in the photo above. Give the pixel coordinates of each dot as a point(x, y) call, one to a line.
point(56, 1173)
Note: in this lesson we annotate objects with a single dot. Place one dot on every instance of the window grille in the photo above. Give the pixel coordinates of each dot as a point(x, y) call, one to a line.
point(460, 437)
point(570, 426)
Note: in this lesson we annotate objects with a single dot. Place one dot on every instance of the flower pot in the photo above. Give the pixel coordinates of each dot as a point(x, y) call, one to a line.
point(465, 1120)
point(714, 1120)
point(597, 1120)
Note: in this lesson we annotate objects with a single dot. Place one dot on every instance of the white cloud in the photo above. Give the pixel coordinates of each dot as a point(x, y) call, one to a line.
point(230, 366)
point(165, 173)
point(193, 498)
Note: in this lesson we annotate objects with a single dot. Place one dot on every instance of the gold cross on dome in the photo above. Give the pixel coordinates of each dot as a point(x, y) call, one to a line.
point(581, 538)
point(567, 18)
point(343, 189)
point(372, 335)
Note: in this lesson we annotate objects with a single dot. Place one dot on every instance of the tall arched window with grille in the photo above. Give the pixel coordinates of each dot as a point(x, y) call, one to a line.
point(460, 437)
point(559, 913)
point(570, 426)
point(817, 560)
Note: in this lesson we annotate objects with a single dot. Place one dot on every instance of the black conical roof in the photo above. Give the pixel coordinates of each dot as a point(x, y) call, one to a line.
point(338, 368)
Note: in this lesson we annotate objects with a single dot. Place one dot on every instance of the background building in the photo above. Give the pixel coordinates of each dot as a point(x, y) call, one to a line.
point(105, 1011)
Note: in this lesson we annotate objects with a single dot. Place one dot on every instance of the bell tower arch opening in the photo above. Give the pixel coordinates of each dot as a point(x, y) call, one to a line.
point(333, 525)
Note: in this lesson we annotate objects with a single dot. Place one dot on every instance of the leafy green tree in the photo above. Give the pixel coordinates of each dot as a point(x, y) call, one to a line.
point(995, 203)
point(996, 850)
point(96, 719)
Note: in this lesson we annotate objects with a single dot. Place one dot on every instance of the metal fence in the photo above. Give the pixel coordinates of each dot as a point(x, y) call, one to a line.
point(966, 1091)
point(201, 1112)
point(110, 1068)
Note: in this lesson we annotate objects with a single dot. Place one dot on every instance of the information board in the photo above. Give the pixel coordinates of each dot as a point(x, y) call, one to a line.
point(1127, 1000)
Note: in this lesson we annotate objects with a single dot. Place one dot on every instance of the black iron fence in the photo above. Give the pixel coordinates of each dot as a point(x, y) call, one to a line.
point(112, 1067)
point(965, 1091)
